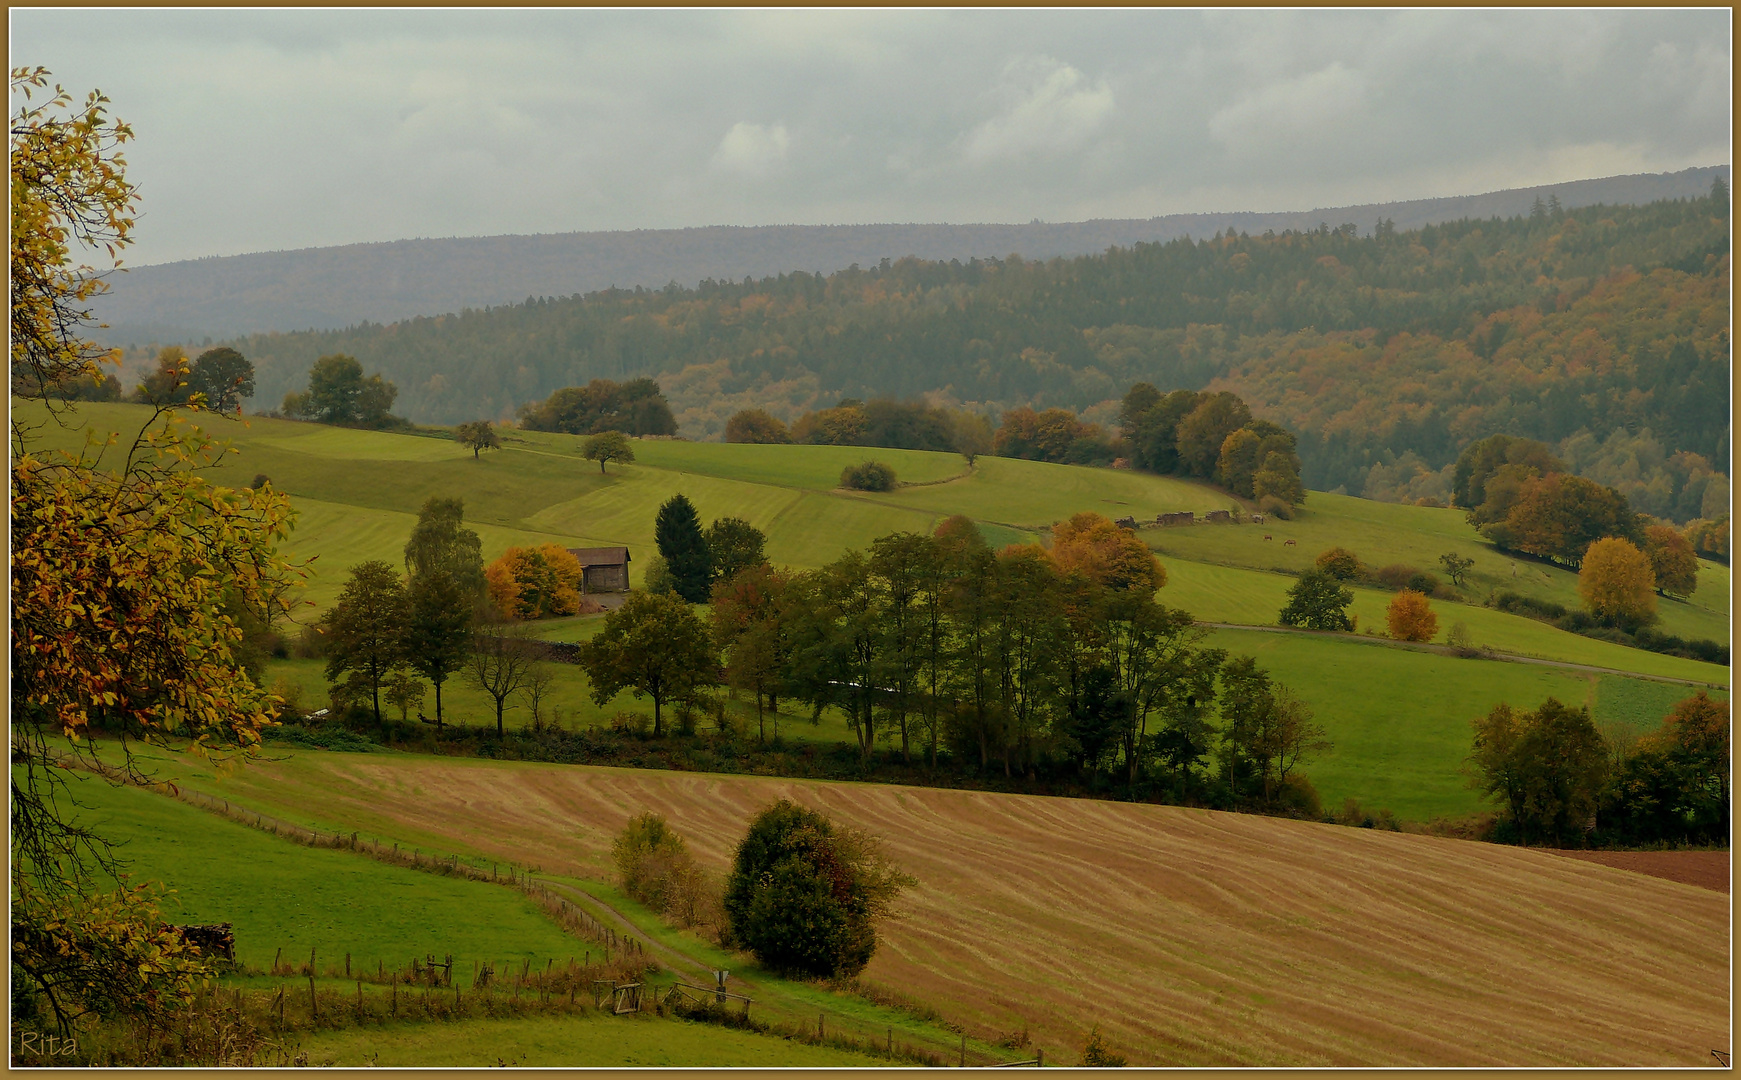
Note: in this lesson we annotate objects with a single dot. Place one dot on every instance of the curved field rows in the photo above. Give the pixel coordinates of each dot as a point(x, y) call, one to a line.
point(1190, 937)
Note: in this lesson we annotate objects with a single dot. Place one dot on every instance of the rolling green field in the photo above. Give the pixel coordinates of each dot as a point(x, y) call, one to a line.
point(1385, 533)
point(1400, 726)
point(358, 492)
point(1216, 593)
point(282, 894)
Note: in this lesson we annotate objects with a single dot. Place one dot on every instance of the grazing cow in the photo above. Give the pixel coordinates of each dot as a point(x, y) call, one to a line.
point(1266, 536)
point(1289, 543)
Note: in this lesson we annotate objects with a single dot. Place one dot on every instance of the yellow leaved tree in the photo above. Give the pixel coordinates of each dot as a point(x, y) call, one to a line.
point(132, 573)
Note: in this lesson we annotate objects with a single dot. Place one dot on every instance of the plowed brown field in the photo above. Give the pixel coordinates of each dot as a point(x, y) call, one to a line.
point(1706, 869)
point(1190, 937)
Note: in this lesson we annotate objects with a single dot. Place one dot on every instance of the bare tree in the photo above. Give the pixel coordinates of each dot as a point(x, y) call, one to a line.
point(536, 690)
point(500, 664)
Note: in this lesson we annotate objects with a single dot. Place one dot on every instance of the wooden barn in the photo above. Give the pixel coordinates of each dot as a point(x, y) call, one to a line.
point(603, 569)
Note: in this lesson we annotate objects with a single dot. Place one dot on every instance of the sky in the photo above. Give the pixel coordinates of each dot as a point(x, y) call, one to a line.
point(267, 130)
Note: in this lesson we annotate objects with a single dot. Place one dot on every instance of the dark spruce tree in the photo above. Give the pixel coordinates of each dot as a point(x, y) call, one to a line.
point(677, 531)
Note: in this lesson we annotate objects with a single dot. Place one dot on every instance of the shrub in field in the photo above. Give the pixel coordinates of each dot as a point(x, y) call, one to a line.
point(804, 893)
point(1459, 639)
point(1410, 617)
point(655, 867)
point(1318, 602)
point(1339, 563)
point(1395, 576)
point(868, 476)
point(1274, 507)
point(1097, 1055)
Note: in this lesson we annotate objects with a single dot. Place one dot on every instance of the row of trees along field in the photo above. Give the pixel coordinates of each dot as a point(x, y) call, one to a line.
point(1558, 780)
point(1045, 662)
point(1379, 349)
point(1525, 499)
point(1039, 661)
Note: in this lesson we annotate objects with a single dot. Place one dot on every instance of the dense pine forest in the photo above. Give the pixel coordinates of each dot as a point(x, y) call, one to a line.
point(1602, 330)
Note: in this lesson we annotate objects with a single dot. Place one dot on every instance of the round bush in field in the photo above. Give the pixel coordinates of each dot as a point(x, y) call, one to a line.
point(804, 893)
point(868, 476)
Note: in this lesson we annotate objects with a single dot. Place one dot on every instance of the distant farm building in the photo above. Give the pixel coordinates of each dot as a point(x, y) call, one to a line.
point(603, 569)
point(1126, 523)
point(1216, 517)
point(1183, 517)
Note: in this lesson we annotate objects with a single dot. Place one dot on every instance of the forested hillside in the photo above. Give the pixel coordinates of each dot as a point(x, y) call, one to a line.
point(1402, 346)
point(331, 287)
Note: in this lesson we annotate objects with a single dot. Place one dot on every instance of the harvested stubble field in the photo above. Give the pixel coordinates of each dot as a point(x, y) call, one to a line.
point(1191, 937)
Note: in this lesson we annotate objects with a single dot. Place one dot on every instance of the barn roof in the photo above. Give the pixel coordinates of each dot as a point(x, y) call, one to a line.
point(601, 556)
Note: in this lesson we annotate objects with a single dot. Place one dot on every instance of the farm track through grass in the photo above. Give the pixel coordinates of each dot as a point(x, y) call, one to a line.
point(1240, 940)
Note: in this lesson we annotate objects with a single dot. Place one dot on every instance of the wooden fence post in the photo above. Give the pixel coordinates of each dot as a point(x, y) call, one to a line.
point(313, 1005)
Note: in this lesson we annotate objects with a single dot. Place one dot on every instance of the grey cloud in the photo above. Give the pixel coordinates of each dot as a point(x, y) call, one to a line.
point(275, 129)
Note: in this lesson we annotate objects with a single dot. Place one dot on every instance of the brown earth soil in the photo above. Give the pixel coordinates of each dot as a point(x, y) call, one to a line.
point(1190, 937)
point(1706, 869)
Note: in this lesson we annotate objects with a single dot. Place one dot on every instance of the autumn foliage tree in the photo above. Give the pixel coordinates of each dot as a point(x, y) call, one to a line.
point(536, 583)
point(1672, 560)
point(1616, 583)
point(755, 426)
point(1410, 617)
point(1107, 554)
point(1053, 435)
point(129, 574)
point(804, 893)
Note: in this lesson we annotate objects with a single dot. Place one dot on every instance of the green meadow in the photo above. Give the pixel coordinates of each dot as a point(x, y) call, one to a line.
point(280, 894)
point(1399, 717)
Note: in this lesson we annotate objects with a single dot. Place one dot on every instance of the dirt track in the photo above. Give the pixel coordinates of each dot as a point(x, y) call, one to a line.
point(1190, 937)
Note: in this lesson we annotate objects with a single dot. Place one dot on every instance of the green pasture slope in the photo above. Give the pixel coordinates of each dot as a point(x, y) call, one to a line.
point(280, 894)
point(1399, 718)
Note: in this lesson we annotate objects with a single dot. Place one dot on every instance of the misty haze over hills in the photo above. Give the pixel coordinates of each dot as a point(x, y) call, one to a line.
point(329, 288)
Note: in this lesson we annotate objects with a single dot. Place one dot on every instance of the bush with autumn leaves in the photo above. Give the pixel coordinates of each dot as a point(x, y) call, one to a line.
point(538, 583)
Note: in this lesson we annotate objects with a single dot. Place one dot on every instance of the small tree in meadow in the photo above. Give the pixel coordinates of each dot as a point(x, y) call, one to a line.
point(478, 436)
point(1617, 583)
point(1318, 602)
point(607, 446)
point(1410, 617)
point(1339, 563)
point(653, 645)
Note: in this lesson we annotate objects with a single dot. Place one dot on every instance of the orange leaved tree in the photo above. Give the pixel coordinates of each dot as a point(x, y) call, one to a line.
point(1617, 584)
point(536, 583)
point(1410, 617)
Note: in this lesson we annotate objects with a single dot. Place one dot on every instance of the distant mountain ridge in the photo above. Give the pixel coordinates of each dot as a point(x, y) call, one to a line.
point(334, 287)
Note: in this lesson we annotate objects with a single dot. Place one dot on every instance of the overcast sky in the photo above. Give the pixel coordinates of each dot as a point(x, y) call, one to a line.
point(268, 130)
